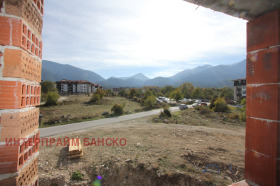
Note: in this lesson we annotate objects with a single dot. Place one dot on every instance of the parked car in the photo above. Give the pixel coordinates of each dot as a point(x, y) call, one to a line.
point(195, 104)
point(164, 99)
point(203, 103)
point(183, 107)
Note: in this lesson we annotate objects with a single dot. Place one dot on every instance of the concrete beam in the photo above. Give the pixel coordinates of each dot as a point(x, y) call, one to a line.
point(245, 9)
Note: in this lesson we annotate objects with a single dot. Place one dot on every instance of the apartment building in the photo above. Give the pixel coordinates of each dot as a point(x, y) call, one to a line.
point(76, 87)
point(239, 88)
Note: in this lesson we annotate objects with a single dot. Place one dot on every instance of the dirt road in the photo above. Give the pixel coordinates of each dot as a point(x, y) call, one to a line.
point(50, 131)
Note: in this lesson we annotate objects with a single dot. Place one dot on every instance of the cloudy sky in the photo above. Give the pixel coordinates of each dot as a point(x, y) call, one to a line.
point(155, 37)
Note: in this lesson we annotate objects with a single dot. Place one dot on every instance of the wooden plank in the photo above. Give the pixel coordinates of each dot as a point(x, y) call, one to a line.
point(75, 149)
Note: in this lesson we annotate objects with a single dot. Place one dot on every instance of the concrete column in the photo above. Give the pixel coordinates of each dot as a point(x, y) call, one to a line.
point(20, 77)
point(262, 157)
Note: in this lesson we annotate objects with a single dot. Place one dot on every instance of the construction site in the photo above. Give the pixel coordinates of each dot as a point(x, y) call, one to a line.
point(214, 152)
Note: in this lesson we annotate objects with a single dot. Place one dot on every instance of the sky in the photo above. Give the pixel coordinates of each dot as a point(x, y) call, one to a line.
point(119, 38)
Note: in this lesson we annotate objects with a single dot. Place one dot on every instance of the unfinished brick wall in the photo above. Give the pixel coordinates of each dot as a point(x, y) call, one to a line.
point(20, 76)
point(262, 159)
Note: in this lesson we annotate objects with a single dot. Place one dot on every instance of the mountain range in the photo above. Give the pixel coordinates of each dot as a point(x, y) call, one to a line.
point(201, 76)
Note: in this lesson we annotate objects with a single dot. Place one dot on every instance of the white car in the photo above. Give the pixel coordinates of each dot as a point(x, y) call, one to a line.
point(195, 104)
point(183, 107)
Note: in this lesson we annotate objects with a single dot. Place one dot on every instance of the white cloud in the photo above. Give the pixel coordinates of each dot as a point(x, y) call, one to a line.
point(138, 33)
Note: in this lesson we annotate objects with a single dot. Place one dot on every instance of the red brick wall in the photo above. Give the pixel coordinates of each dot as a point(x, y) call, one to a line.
point(20, 77)
point(262, 159)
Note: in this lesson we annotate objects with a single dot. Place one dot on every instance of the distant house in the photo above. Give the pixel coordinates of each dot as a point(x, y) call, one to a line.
point(76, 87)
point(239, 88)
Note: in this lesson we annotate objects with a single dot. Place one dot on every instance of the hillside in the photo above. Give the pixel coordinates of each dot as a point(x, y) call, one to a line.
point(52, 71)
point(202, 76)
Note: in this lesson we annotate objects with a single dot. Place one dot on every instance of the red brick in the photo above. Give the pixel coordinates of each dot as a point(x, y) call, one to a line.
point(261, 169)
point(264, 31)
point(10, 94)
point(19, 36)
point(19, 125)
point(8, 159)
point(9, 181)
point(28, 10)
point(263, 101)
point(13, 157)
point(263, 137)
point(263, 66)
point(27, 176)
point(21, 65)
point(7, 25)
point(14, 96)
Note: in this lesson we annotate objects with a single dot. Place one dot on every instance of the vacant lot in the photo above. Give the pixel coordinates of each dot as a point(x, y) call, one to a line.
point(75, 108)
point(210, 153)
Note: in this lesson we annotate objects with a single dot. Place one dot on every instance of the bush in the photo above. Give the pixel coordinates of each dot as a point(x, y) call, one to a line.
point(220, 105)
point(118, 109)
point(243, 110)
point(166, 113)
point(97, 96)
point(150, 102)
point(52, 98)
point(203, 109)
point(77, 176)
point(212, 102)
point(234, 116)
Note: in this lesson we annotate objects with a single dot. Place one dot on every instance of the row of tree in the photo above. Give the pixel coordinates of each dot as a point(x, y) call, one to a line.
point(186, 90)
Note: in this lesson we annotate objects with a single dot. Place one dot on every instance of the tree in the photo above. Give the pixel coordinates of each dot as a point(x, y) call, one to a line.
point(187, 89)
point(110, 92)
point(147, 94)
point(166, 91)
point(52, 98)
point(48, 86)
point(122, 93)
point(150, 102)
point(197, 93)
point(227, 93)
point(176, 94)
point(132, 93)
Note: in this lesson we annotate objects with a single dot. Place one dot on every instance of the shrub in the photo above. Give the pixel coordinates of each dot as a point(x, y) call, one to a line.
point(234, 116)
point(212, 102)
point(220, 105)
point(203, 109)
point(77, 176)
point(166, 112)
point(52, 98)
point(97, 96)
point(150, 102)
point(243, 110)
point(118, 109)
